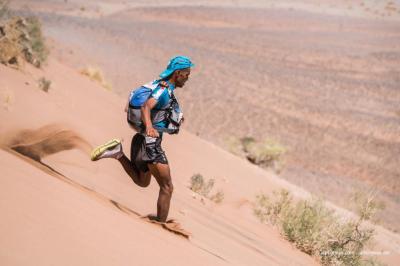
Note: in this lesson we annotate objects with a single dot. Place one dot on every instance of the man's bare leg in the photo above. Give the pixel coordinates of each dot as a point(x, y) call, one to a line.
point(141, 179)
point(162, 174)
point(113, 149)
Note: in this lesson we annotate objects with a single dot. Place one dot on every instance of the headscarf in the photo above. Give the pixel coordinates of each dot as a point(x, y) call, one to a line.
point(176, 63)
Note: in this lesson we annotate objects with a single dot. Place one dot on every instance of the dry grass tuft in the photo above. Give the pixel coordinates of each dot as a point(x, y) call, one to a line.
point(317, 230)
point(7, 98)
point(199, 185)
point(44, 84)
point(96, 74)
point(218, 197)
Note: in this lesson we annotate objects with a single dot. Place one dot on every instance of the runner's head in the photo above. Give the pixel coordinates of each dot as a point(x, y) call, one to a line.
point(178, 70)
point(179, 77)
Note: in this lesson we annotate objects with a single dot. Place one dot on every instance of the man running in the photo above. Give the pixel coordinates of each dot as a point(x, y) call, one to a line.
point(147, 156)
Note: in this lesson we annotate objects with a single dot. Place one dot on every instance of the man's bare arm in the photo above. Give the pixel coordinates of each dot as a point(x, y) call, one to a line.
point(146, 108)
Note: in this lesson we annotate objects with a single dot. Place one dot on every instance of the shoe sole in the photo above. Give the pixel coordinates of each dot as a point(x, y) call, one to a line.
point(102, 148)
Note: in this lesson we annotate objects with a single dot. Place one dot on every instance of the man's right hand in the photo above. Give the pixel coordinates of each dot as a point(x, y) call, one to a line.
point(151, 132)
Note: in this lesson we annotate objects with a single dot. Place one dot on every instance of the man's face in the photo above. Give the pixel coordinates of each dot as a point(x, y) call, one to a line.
point(181, 77)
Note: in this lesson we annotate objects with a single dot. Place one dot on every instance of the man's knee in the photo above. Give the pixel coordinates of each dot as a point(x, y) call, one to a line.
point(144, 183)
point(167, 188)
point(144, 179)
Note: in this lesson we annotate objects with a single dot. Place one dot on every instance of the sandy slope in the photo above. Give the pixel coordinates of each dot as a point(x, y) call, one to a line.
point(47, 220)
point(326, 75)
point(72, 220)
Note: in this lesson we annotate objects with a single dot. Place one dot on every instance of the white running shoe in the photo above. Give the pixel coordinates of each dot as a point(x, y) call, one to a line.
point(111, 149)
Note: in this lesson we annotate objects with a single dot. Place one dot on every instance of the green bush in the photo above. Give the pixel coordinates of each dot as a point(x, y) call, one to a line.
point(316, 230)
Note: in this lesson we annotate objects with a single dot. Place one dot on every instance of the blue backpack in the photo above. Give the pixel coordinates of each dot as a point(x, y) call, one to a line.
point(171, 113)
point(139, 96)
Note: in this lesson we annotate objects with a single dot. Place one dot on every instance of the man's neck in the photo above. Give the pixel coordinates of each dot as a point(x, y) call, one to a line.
point(172, 82)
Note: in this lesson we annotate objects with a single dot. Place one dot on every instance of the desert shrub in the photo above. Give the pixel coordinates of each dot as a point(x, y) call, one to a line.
point(316, 230)
point(199, 185)
point(264, 153)
point(35, 49)
point(22, 39)
point(246, 141)
point(44, 84)
point(4, 11)
point(234, 146)
point(96, 74)
point(196, 183)
point(305, 223)
point(268, 210)
point(267, 153)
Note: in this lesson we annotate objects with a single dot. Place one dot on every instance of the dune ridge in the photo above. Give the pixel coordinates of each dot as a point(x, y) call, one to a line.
point(90, 213)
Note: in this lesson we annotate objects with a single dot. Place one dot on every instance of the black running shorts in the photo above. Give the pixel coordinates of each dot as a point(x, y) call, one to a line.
point(145, 150)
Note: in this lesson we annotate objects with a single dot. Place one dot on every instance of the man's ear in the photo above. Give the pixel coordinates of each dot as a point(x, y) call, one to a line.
point(176, 73)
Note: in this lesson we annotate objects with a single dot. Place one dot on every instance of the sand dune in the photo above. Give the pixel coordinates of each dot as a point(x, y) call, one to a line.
point(60, 208)
point(325, 75)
